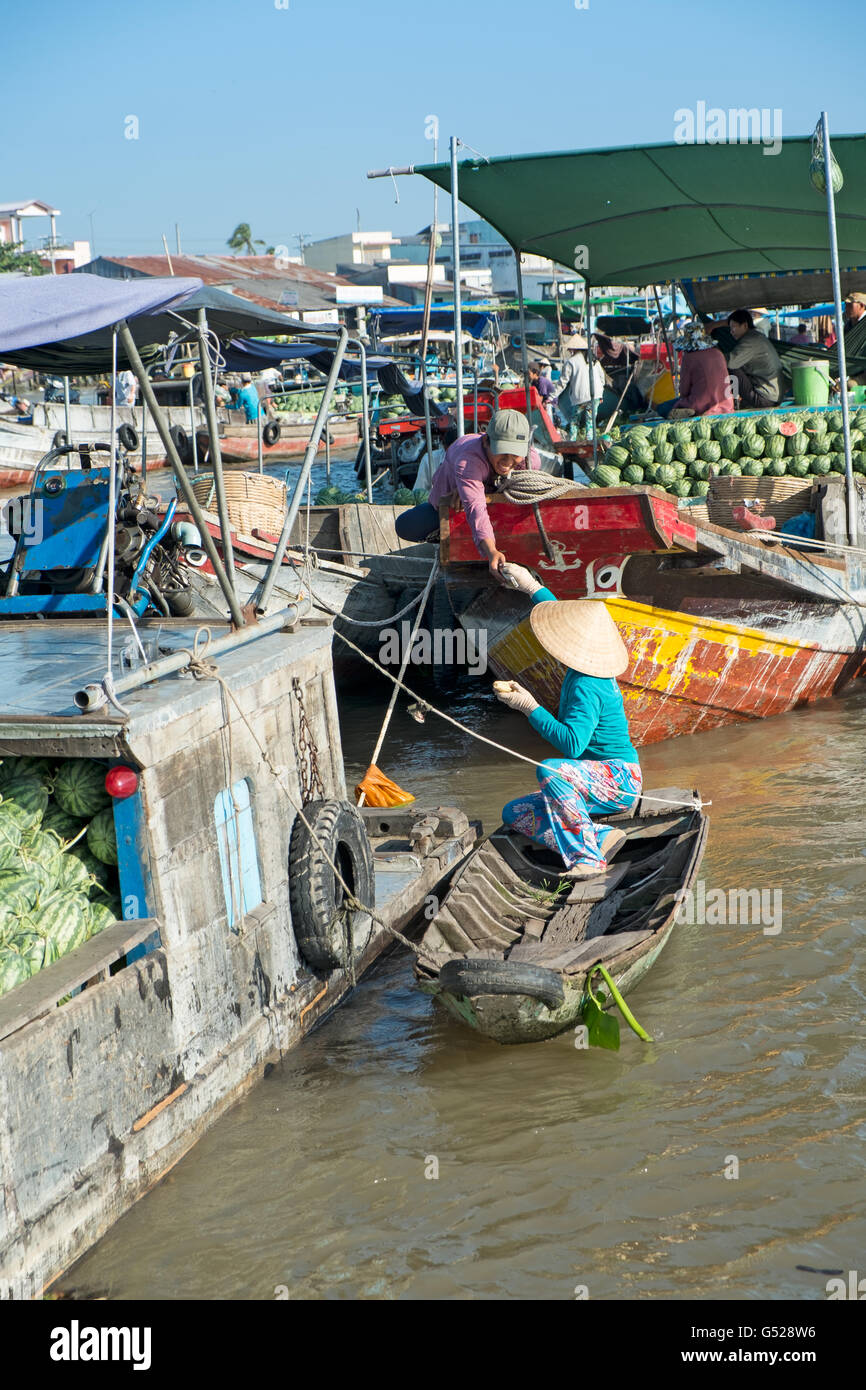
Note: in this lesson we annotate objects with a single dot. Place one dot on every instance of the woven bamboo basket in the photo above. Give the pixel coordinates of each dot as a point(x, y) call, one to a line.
point(254, 501)
point(782, 497)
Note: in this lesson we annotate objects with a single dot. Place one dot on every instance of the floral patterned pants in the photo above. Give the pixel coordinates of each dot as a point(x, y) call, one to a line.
point(558, 815)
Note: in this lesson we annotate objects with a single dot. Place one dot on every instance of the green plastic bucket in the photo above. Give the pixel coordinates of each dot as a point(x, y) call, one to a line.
point(810, 383)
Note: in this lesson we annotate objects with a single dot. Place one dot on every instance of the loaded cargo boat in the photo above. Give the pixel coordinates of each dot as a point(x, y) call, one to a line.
point(186, 888)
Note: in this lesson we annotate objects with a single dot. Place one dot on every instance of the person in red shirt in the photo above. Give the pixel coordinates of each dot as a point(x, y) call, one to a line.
point(705, 385)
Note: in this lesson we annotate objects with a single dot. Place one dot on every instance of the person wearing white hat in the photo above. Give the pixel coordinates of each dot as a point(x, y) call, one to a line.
point(598, 769)
point(574, 398)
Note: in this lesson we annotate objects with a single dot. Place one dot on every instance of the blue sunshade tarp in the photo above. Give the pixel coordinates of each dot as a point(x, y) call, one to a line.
point(394, 322)
point(250, 355)
point(36, 310)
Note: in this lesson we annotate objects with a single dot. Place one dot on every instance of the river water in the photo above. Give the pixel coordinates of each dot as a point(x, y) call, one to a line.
point(712, 1162)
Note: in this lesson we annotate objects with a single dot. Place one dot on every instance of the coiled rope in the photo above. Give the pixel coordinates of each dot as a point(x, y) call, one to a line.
point(528, 486)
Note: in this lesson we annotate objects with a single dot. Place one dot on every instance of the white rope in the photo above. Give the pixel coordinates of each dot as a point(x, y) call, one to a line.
point(696, 803)
point(528, 486)
point(366, 622)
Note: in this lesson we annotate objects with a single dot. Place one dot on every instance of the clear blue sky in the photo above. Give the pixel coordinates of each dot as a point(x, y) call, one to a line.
point(249, 112)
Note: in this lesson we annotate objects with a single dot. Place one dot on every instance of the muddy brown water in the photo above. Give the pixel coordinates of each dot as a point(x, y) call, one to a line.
point(709, 1163)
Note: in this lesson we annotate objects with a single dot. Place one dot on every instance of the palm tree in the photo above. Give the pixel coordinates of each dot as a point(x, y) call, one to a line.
point(241, 239)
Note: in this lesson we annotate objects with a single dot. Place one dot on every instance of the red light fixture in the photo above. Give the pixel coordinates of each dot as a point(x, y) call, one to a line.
point(121, 782)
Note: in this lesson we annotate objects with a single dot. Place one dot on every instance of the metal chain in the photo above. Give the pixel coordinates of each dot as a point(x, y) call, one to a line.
point(306, 752)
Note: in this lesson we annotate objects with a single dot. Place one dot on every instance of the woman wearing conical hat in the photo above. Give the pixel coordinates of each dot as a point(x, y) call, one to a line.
point(597, 769)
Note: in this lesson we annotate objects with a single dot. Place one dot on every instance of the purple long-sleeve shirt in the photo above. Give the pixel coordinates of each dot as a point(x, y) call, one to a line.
point(465, 470)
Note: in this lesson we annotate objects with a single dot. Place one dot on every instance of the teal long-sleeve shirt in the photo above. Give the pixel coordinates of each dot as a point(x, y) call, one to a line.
point(590, 722)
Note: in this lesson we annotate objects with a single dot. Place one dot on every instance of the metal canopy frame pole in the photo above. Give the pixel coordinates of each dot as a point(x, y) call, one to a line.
point(179, 471)
point(143, 444)
point(428, 304)
point(850, 489)
point(590, 364)
point(264, 592)
point(524, 354)
point(458, 306)
point(66, 408)
point(365, 424)
point(192, 432)
point(216, 457)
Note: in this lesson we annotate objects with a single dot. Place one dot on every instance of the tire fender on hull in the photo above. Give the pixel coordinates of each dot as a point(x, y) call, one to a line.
point(470, 978)
point(337, 833)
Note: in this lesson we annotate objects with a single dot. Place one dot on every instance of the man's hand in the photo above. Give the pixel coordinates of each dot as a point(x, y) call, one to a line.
point(515, 696)
point(494, 557)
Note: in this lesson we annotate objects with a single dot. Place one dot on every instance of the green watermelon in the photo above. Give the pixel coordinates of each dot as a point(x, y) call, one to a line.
point(753, 446)
point(837, 463)
point(820, 464)
point(797, 444)
point(856, 437)
point(666, 475)
point(10, 839)
point(798, 467)
point(14, 969)
point(70, 872)
point(633, 473)
point(643, 454)
point(101, 837)
point(860, 420)
point(41, 845)
point(650, 472)
point(732, 449)
point(700, 469)
point(731, 469)
point(602, 476)
point(40, 768)
point(768, 425)
point(682, 487)
point(616, 456)
point(858, 461)
point(639, 432)
point(99, 916)
point(35, 945)
point(79, 787)
point(702, 429)
point(29, 795)
point(834, 442)
point(664, 453)
point(680, 468)
point(775, 467)
point(659, 434)
point(686, 452)
point(724, 427)
point(22, 888)
point(753, 468)
point(746, 425)
point(709, 450)
point(834, 420)
point(64, 919)
point(680, 432)
point(815, 422)
point(817, 442)
point(775, 446)
point(700, 488)
point(64, 825)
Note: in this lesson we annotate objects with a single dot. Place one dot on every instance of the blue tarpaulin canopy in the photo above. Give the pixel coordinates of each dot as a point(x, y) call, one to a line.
point(36, 310)
point(252, 355)
point(394, 322)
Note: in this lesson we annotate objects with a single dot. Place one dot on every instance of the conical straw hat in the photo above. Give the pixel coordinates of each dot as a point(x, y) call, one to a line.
point(581, 634)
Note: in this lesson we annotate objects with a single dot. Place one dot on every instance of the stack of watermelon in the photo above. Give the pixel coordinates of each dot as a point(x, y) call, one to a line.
point(59, 883)
point(680, 456)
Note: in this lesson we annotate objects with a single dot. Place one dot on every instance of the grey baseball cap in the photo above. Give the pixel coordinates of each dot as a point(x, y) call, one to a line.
point(508, 433)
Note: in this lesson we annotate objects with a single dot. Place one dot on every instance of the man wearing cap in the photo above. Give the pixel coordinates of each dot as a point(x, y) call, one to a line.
point(855, 331)
point(470, 466)
point(248, 399)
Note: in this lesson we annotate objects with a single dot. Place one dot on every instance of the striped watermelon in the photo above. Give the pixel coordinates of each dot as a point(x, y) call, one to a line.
point(820, 464)
point(602, 476)
point(64, 825)
point(709, 450)
point(99, 917)
point(798, 467)
point(79, 787)
point(753, 468)
point(101, 837)
point(686, 452)
point(29, 794)
point(837, 463)
point(700, 488)
point(659, 434)
point(664, 453)
point(22, 888)
point(43, 846)
point(858, 461)
point(14, 969)
point(633, 473)
point(731, 469)
point(680, 468)
point(732, 448)
point(724, 427)
point(70, 872)
point(651, 472)
point(834, 420)
point(776, 445)
point(666, 475)
point(702, 430)
point(680, 432)
point(815, 422)
point(797, 444)
point(817, 443)
point(753, 446)
point(40, 768)
point(768, 425)
point(682, 487)
point(700, 469)
point(64, 919)
point(616, 456)
point(10, 839)
point(35, 945)
point(775, 467)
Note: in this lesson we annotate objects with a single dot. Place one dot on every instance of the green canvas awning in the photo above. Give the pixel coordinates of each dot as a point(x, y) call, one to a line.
point(652, 213)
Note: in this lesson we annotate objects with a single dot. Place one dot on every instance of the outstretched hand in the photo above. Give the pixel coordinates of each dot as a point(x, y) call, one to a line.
point(519, 577)
point(515, 696)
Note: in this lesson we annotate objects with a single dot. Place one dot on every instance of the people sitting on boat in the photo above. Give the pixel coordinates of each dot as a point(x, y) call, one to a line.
point(471, 464)
point(617, 361)
point(704, 382)
point(855, 331)
point(543, 384)
point(574, 398)
point(248, 399)
point(802, 336)
point(597, 770)
point(755, 363)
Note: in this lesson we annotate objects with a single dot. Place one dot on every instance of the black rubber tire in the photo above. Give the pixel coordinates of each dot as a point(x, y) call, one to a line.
point(314, 893)
point(271, 433)
point(181, 441)
point(60, 440)
point(469, 978)
point(127, 437)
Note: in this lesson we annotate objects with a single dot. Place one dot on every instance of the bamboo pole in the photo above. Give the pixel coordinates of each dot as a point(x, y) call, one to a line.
point(215, 451)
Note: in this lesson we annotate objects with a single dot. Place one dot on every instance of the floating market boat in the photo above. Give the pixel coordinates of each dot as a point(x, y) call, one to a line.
point(514, 948)
point(185, 887)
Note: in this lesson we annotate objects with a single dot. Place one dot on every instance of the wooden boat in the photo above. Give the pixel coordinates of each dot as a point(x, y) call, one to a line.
point(721, 626)
point(511, 949)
